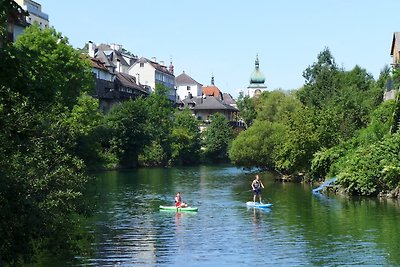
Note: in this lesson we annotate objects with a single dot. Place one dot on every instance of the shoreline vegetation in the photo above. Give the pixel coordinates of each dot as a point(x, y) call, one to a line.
point(53, 134)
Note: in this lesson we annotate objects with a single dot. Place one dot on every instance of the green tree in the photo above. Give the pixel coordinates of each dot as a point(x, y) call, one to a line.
point(321, 81)
point(48, 68)
point(42, 181)
point(246, 106)
point(128, 131)
point(84, 125)
point(257, 145)
point(275, 106)
point(297, 146)
point(186, 139)
point(160, 120)
point(371, 169)
point(324, 161)
point(217, 139)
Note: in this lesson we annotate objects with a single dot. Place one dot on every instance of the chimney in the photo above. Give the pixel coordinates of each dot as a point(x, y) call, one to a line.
point(154, 59)
point(116, 47)
point(91, 49)
point(118, 65)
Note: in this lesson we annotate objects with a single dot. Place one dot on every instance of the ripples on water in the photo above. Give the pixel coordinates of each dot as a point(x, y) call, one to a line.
point(300, 230)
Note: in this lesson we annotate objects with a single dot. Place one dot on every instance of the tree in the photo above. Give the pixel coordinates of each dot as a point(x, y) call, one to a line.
point(186, 139)
point(42, 181)
point(45, 68)
point(217, 139)
point(257, 145)
point(160, 117)
point(321, 81)
point(275, 106)
point(84, 126)
point(129, 131)
point(247, 108)
point(371, 169)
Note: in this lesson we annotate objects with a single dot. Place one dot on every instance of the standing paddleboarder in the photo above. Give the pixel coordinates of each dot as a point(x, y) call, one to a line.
point(256, 185)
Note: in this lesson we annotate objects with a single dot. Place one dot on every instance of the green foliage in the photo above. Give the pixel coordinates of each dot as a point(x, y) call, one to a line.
point(384, 77)
point(46, 68)
point(186, 139)
point(275, 106)
point(372, 168)
point(396, 77)
point(321, 81)
point(284, 135)
point(160, 117)
point(217, 139)
point(129, 132)
point(84, 124)
point(256, 146)
point(325, 162)
point(246, 106)
point(42, 179)
point(153, 154)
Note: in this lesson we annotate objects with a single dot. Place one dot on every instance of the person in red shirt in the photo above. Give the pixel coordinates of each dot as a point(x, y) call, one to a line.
point(178, 201)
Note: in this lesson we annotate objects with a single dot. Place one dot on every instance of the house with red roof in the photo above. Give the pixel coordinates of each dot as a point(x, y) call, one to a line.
point(209, 103)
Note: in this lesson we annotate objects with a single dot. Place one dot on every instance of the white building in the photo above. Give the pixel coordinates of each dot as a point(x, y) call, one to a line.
point(149, 73)
point(35, 13)
point(186, 86)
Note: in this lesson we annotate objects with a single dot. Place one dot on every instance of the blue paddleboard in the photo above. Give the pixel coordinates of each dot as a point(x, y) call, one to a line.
point(258, 205)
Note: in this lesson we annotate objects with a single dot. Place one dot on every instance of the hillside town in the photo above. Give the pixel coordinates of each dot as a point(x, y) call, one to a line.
point(111, 155)
point(121, 75)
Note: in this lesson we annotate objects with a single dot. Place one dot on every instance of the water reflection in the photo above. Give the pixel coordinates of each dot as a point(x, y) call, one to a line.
point(301, 229)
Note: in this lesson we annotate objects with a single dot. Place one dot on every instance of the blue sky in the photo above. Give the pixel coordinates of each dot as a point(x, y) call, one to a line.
point(223, 37)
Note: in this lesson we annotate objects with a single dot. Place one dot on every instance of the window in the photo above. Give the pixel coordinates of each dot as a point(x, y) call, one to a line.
point(141, 65)
point(188, 87)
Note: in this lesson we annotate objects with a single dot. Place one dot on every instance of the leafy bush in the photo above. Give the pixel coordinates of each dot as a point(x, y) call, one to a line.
point(372, 168)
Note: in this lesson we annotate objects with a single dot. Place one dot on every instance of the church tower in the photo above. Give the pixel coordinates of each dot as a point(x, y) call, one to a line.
point(257, 80)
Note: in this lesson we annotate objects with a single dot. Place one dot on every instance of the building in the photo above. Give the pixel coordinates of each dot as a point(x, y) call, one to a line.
point(113, 87)
point(257, 80)
point(114, 56)
point(186, 86)
point(389, 91)
point(395, 49)
point(209, 103)
point(15, 23)
point(228, 99)
point(35, 13)
point(203, 107)
point(149, 73)
point(212, 90)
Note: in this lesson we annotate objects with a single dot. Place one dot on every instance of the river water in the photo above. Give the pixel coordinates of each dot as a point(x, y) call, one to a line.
point(301, 229)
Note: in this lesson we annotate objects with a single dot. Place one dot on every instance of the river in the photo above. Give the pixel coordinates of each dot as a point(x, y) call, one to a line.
point(301, 229)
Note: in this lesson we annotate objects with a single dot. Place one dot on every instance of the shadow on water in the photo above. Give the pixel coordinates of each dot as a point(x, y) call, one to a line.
point(301, 229)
